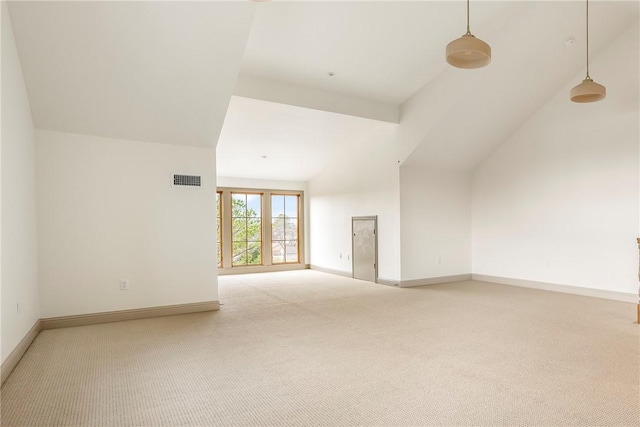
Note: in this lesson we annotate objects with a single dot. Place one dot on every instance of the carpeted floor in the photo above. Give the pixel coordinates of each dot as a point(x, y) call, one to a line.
point(307, 348)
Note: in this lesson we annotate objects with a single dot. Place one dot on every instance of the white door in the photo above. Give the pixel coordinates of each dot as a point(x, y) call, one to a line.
point(365, 248)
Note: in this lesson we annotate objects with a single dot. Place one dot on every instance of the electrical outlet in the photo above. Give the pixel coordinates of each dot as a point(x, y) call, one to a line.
point(438, 261)
point(340, 256)
point(18, 307)
point(124, 284)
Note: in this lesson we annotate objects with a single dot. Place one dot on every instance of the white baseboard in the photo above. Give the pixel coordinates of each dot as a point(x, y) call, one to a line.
point(261, 269)
point(133, 314)
point(388, 282)
point(434, 280)
point(554, 287)
point(380, 280)
point(332, 271)
point(12, 361)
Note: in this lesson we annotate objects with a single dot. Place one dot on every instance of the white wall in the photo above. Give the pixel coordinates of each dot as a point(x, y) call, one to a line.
point(19, 239)
point(558, 202)
point(436, 222)
point(435, 187)
point(224, 181)
point(363, 181)
point(108, 210)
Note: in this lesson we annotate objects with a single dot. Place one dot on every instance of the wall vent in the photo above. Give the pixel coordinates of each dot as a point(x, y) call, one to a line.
point(188, 180)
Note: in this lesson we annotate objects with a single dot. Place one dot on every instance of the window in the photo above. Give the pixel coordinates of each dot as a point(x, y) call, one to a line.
point(219, 226)
point(246, 228)
point(284, 229)
point(259, 230)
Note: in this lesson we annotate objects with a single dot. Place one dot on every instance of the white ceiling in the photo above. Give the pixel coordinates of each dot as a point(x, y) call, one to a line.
point(148, 71)
point(387, 51)
point(298, 142)
point(480, 109)
point(165, 72)
point(383, 51)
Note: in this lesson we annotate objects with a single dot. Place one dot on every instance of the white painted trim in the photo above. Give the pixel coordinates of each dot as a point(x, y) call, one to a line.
point(434, 280)
point(122, 315)
point(554, 287)
point(380, 280)
point(332, 271)
point(388, 282)
point(12, 361)
point(249, 269)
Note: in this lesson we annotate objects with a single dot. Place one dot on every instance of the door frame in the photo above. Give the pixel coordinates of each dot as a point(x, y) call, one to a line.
point(373, 218)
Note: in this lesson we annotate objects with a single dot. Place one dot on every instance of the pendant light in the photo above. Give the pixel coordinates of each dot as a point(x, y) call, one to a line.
point(468, 51)
point(588, 90)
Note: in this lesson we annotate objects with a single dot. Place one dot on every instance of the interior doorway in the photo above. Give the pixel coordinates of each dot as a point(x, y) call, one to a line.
point(365, 247)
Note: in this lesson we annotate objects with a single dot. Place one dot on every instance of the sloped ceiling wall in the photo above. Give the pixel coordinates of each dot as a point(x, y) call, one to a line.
point(558, 202)
point(146, 71)
point(461, 116)
point(459, 119)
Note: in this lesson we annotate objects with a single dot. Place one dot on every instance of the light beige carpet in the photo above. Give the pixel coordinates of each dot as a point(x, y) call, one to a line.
point(307, 348)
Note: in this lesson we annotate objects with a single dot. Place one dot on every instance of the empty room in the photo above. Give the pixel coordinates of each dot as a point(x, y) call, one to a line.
point(336, 213)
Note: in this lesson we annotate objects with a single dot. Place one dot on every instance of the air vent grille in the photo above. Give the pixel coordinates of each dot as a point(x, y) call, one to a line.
point(188, 180)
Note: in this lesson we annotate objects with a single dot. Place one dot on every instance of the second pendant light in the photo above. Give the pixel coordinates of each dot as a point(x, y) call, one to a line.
point(588, 90)
point(468, 51)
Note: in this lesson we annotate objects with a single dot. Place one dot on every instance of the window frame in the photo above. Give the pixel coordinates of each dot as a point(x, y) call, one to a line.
point(266, 231)
point(247, 193)
point(299, 198)
point(219, 231)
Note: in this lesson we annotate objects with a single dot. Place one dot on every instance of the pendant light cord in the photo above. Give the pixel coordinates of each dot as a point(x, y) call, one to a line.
point(468, 31)
point(589, 78)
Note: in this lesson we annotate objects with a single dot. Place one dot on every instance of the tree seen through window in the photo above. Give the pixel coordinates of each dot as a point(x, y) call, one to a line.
point(246, 229)
point(284, 229)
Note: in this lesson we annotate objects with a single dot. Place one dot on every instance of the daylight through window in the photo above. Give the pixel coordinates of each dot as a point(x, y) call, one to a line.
point(284, 229)
point(246, 228)
point(259, 229)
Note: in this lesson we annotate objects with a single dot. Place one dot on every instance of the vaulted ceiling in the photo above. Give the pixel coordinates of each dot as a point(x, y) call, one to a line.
point(393, 53)
point(148, 71)
point(262, 139)
point(382, 51)
point(166, 71)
